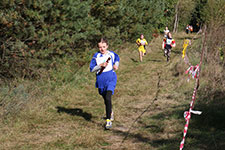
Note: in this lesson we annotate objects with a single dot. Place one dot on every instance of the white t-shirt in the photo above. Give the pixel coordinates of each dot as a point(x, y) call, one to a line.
point(101, 58)
point(165, 32)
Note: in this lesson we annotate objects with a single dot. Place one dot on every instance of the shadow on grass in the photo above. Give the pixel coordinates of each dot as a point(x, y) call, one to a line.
point(163, 144)
point(154, 60)
point(137, 136)
point(176, 51)
point(205, 131)
point(134, 60)
point(75, 112)
point(209, 128)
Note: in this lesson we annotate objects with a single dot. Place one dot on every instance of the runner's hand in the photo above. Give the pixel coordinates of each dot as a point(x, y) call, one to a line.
point(104, 64)
point(115, 67)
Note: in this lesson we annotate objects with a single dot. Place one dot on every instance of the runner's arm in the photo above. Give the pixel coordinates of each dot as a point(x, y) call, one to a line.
point(93, 65)
point(96, 68)
point(146, 43)
point(173, 44)
point(116, 61)
point(163, 44)
point(138, 42)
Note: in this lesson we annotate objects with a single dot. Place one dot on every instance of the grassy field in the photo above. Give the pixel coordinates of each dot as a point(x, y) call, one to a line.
point(148, 104)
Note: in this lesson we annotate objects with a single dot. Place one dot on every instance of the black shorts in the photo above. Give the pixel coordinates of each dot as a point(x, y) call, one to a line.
point(168, 46)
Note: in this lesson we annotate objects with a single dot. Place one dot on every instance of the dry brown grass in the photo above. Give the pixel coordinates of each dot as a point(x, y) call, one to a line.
point(148, 104)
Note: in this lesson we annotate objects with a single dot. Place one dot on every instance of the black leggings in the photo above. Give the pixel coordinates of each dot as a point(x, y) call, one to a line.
point(108, 103)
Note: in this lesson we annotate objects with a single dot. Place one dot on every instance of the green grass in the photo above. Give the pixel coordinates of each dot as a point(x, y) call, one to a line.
point(67, 113)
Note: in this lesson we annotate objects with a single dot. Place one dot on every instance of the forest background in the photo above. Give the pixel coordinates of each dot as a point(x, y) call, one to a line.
point(41, 36)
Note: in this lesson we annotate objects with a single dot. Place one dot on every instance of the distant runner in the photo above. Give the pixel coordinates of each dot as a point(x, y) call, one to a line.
point(167, 45)
point(141, 42)
point(104, 62)
point(187, 29)
point(166, 31)
point(191, 28)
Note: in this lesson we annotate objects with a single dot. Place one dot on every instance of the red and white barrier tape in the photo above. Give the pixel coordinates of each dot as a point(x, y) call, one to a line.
point(195, 71)
point(187, 116)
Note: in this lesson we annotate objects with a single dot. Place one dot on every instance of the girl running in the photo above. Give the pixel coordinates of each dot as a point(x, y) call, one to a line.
point(167, 45)
point(104, 62)
point(141, 42)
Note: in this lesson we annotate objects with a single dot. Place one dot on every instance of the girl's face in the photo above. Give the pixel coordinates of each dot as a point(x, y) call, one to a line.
point(142, 36)
point(102, 47)
point(169, 35)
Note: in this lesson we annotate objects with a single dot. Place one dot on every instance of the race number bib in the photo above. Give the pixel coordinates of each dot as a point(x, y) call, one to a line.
point(142, 42)
point(169, 41)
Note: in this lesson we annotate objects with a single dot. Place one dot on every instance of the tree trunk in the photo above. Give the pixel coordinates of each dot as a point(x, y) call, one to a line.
point(177, 24)
point(176, 19)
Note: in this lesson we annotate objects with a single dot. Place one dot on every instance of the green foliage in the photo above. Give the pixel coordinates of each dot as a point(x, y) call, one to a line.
point(128, 19)
point(200, 12)
point(35, 32)
point(214, 13)
point(186, 9)
point(36, 35)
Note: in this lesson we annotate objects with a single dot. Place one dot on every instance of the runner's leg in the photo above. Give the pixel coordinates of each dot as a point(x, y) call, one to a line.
point(165, 52)
point(108, 104)
point(168, 54)
point(140, 55)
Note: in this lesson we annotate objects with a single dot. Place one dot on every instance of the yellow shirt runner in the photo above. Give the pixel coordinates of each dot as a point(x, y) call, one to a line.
point(141, 44)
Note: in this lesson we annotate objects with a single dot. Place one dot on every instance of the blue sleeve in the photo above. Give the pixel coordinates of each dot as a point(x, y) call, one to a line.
point(116, 59)
point(93, 63)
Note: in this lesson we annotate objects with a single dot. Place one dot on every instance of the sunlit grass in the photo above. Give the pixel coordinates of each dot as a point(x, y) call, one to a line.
point(67, 112)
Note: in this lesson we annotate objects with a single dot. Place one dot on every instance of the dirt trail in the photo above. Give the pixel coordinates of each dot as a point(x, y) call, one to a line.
point(148, 81)
point(147, 105)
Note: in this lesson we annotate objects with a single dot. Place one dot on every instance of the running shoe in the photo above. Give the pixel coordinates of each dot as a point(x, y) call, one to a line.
point(108, 124)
